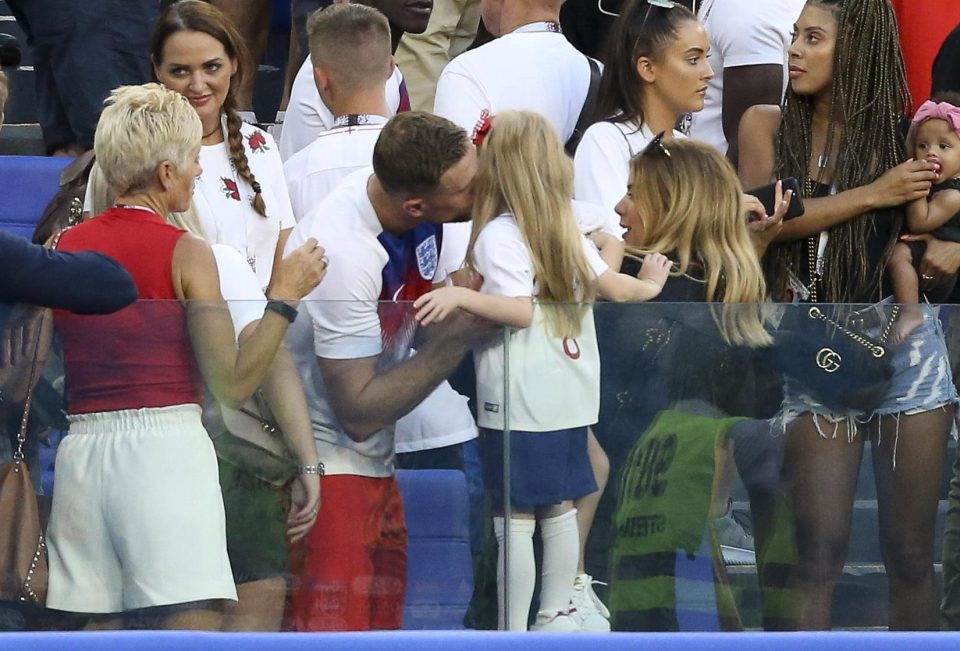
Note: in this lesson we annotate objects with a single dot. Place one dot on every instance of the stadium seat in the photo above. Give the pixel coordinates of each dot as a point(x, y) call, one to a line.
point(440, 571)
point(29, 184)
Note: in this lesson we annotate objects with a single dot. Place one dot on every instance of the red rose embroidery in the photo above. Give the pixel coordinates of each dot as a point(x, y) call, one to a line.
point(229, 188)
point(257, 142)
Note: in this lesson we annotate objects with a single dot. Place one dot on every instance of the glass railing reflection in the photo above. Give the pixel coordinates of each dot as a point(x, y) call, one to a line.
point(721, 476)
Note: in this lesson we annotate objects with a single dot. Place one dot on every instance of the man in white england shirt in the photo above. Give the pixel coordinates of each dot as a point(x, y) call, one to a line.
point(351, 59)
point(350, 49)
point(307, 115)
point(383, 234)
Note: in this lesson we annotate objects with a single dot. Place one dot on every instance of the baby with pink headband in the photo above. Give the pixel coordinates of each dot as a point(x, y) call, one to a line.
point(934, 136)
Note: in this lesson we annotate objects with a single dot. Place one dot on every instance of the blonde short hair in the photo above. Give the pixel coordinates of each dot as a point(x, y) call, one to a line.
point(140, 128)
point(102, 198)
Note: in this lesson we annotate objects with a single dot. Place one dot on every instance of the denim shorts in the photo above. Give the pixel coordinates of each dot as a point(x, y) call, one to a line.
point(922, 379)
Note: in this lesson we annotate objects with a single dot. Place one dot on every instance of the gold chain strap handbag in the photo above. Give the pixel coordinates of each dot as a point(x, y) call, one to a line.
point(254, 443)
point(833, 360)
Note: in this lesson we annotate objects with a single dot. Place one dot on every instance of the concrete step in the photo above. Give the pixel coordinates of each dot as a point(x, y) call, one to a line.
point(21, 140)
point(22, 104)
point(9, 26)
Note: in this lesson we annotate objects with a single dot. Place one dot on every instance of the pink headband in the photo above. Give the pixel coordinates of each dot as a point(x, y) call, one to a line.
point(942, 111)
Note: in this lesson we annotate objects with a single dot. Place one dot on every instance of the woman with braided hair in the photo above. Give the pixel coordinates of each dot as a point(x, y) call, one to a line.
point(241, 195)
point(839, 132)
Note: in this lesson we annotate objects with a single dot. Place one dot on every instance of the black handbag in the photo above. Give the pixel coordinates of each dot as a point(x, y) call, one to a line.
point(835, 363)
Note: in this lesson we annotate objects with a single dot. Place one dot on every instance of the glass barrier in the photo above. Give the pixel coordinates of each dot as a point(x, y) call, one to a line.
point(644, 467)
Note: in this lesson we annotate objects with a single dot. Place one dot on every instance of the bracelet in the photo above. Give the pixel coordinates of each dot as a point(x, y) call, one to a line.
point(285, 310)
point(312, 470)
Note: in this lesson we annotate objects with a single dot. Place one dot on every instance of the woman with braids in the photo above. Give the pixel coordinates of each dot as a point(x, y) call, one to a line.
point(656, 70)
point(241, 195)
point(839, 133)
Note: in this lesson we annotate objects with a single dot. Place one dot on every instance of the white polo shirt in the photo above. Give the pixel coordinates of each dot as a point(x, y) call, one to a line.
point(307, 116)
point(529, 68)
point(313, 172)
point(742, 33)
point(602, 162)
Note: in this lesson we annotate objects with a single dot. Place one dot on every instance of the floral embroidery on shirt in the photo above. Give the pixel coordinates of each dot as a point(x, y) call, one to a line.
point(229, 188)
point(257, 143)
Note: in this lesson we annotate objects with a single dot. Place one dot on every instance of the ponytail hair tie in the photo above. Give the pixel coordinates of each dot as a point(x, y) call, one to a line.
point(256, 187)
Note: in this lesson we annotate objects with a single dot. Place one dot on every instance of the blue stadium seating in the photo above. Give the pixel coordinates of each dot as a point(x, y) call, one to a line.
point(29, 184)
point(440, 574)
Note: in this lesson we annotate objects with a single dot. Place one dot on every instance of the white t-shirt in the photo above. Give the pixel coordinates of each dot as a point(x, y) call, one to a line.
point(456, 236)
point(239, 287)
point(441, 420)
point(344, 322)
point(554, 382)
point(742, 33)
point(307, 116)
point(526, 69)
point(224, 201)
point(602, 162)
point(314, 171)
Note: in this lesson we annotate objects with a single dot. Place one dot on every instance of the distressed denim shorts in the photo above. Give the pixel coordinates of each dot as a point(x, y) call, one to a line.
point(922, 380)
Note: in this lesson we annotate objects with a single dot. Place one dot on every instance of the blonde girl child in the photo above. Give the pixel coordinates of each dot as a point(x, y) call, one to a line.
point(538, 276)
point(935, 138)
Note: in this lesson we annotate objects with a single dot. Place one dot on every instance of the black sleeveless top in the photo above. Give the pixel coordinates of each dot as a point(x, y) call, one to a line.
point(876, 245)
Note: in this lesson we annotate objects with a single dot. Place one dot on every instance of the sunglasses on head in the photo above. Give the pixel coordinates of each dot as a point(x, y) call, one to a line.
point(663, 4)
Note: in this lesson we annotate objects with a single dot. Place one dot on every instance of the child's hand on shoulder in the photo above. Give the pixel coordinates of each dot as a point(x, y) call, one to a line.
point(655, 267)
point(439, 304)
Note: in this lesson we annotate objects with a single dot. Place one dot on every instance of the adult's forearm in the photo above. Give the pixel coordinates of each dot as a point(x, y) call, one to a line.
point(256, 354)
point(393, 393)
point(825, 212)
point(283, 390)
point(85, 282)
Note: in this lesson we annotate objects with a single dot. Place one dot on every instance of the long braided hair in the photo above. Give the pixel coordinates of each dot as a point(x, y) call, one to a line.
point(197, 16)
point(870, 98)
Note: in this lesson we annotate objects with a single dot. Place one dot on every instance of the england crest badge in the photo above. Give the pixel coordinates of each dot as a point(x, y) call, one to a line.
point(428, 257)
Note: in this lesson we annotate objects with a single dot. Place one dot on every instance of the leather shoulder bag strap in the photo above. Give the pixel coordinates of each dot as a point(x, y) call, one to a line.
point(592, 92)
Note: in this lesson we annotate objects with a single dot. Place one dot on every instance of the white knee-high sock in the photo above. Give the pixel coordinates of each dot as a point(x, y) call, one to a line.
point(522, 571)
point(561, 550)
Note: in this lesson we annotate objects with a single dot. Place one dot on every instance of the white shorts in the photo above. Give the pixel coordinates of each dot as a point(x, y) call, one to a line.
point(137, 517)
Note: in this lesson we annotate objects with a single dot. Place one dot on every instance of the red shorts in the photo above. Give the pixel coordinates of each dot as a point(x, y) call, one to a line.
point(351, 569)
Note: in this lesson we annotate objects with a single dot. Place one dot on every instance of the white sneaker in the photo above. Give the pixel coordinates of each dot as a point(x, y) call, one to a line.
point(591, 614)
point(563, 621)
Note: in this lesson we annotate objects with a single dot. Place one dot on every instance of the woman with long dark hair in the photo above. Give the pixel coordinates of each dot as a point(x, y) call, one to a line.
point(656, 71)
